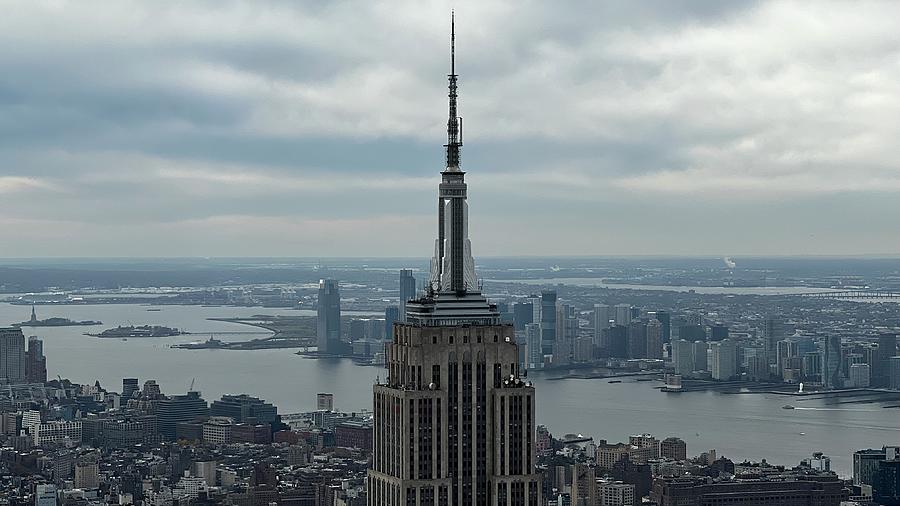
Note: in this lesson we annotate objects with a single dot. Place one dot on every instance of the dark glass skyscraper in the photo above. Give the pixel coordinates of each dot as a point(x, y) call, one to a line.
point(454, 422)
point(243, 408)
point(129, 387)
point(391, 315)
point(617, 341)
point(831, 362)
point(887, 348)
point(328, 322)
point(407, 290)
point(665, 320)
point(773, 332)
point(12, 355)
point(35, 361)
point(692, 333)
point(179, 408)
point(718, 332)
point(523, 314)
point(548, 321)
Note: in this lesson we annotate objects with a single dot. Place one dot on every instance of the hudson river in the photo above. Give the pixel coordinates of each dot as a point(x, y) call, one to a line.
point(752, 426)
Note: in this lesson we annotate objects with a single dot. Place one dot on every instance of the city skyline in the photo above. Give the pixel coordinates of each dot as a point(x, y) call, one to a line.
point(530, 380)
point(264, 130)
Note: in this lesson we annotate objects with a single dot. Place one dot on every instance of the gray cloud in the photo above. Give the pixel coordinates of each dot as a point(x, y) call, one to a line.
point(591, 127)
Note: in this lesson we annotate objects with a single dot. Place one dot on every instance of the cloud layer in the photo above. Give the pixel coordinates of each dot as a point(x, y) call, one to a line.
point(278, 128)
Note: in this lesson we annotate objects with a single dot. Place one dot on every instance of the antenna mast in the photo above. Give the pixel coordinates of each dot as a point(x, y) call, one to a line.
point(454, 122)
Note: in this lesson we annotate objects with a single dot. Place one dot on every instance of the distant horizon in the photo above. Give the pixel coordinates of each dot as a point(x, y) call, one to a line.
point(872, 256)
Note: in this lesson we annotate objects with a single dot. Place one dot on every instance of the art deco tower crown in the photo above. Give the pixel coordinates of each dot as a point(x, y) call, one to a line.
point(453, 268)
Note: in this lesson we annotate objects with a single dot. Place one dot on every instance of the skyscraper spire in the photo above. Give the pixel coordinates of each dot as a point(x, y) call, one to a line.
point(453, 422)
point(454, 122)
point(452, 268)
point(452, 42)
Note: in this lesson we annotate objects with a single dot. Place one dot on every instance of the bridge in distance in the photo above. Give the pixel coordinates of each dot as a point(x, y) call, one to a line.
point(853, 294)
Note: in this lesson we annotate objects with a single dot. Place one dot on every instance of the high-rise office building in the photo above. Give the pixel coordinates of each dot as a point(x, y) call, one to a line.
point(773, 331)
point(623, 314)
point(755, 363)
point(805, 344)
point(894, 377)
point(328, 317)
point(12, 355)
point(533, 346)
point(692, 332)
point(831, 362)
point(860, 376)
point(887, 348)
point(324, 401)
point(865, 463)
point(454, 422)
point(129, 387)
point(357, 330)
point(683, 357)
point(718, 332)
point(535, 301)
point(637, 339)
point(566, 333)
point(523, 314)
point(784, 351)
point(723, 360)
point(506, 314)
point(654, 339)
point(700, 353)
point(673, 448)
point(151, 390)
point(243, 408)
point(35, 361)
point(602, 319)
point(881, 470)
point(812, 366)
point(548, 321)
point(583, 486)
point(886, 483)
point(407, 290)
point(616, 339)
point(391, 315)
point(584, 349)
point(665, 320)
point(849, 358)
point(179, 408)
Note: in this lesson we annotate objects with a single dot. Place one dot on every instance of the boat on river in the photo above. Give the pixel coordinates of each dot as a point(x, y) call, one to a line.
point(139, 331)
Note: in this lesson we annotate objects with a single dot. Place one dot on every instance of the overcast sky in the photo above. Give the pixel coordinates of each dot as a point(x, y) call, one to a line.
point(281, 128)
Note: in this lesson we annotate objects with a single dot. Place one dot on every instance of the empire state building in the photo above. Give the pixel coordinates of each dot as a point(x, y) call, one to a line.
point(454, 422)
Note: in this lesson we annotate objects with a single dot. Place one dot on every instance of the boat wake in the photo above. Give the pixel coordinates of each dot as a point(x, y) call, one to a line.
point(831, 409)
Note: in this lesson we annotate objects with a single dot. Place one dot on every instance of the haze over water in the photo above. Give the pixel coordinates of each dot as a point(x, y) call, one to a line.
point(737, 426)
